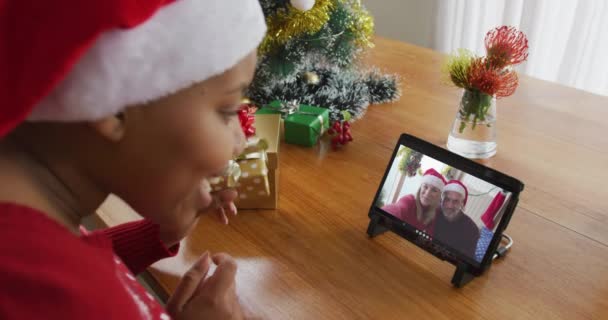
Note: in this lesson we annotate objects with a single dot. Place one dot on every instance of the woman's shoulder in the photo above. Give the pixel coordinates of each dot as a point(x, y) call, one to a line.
point(29, 238)
point(43, 263)
point(408, 198)
point(13, 215)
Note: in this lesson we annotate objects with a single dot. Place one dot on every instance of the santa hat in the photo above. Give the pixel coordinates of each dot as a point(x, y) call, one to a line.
point(75, 60)
point(457, 186)
point(433, 178)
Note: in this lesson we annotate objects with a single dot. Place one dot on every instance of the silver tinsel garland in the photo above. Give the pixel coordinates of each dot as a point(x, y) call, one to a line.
point(321, 70)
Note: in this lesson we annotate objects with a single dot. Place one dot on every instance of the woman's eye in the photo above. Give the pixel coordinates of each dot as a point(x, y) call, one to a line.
point(228, 114)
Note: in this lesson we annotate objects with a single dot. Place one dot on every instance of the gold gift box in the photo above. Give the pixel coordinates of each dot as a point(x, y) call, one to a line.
point(258, 188)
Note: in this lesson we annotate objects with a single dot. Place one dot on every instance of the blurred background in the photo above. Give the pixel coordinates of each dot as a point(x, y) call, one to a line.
point(568, 38)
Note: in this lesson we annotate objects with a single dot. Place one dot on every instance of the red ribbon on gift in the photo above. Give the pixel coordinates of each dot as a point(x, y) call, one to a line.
point(247, 119)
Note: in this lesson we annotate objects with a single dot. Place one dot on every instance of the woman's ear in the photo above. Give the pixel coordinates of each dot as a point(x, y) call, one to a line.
point(111, 127)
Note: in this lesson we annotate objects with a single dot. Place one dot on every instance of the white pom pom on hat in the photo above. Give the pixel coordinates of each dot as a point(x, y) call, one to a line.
point(303, 5)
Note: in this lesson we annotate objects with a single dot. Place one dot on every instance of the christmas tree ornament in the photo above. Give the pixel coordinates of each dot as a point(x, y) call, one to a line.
point(335, 128)
point(303, 5)
point(341, 132)
point(311, 78)
point(362, 26)
point(326, 41)
point(287, 25)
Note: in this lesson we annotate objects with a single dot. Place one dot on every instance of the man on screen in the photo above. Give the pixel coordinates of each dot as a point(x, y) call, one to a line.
point(453, 227)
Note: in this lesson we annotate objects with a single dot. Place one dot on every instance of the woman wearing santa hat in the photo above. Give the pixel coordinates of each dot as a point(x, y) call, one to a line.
point(419, 210)
point(133, 97)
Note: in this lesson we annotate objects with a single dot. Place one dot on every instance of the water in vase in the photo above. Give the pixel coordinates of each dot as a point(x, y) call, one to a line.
point(475, 143)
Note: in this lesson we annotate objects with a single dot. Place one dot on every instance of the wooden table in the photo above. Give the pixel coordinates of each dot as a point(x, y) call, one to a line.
point(311, 258)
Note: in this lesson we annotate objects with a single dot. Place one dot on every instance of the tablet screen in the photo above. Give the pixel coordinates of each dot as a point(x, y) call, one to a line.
point(448, 207)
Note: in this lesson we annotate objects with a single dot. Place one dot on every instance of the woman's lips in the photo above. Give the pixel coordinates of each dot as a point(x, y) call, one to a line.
point(425, 200)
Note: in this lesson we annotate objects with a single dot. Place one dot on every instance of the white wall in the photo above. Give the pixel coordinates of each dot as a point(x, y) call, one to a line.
point(406, 20)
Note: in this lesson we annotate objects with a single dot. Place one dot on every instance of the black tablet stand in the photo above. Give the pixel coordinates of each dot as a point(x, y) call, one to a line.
point(375, 226)
point(461, 277)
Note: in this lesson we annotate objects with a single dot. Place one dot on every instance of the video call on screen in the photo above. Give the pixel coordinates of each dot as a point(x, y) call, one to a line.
point(442, 203)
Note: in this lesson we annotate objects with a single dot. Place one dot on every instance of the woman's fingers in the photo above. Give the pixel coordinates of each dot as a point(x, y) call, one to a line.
point(221, 214)
point(227, 195)
point(227, 201)
point(224, 203)
point(216, 298)
point(188, 284)
point(232, 209)
point(223, 279)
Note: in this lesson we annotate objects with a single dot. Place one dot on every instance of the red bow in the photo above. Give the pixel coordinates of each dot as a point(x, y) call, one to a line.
point(342, 131)
point(247, 118)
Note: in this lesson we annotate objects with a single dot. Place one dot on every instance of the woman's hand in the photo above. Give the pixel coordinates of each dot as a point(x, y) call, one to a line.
point(199, 296)
point(224, 204)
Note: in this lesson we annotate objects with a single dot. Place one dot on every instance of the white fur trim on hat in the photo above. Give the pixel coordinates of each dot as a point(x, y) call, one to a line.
point(456, 188)
point(185, 42)
point(433, 181)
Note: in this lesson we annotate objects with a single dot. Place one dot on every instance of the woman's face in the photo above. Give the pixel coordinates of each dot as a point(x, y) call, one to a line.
point(170, 146)
point(429, 195)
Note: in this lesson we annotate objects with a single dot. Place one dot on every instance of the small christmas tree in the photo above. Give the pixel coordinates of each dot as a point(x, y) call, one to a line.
point(309, 55)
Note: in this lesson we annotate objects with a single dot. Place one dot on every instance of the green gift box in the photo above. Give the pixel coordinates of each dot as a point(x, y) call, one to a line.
point(303, 124)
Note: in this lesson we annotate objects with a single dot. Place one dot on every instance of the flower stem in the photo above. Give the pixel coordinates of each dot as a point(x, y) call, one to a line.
point(473, 103)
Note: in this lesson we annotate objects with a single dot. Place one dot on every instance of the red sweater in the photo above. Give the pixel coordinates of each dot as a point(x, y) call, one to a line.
point(46, 272)
point(405, 210)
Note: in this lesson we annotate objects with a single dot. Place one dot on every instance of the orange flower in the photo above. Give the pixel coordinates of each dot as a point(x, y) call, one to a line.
point(486, 78)
point(506, 46)
point(508, 84)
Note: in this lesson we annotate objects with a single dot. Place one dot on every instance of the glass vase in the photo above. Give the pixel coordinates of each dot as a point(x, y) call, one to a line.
point(473, 133)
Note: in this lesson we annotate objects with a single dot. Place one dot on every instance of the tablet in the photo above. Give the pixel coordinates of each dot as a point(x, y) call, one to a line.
point(450, 206)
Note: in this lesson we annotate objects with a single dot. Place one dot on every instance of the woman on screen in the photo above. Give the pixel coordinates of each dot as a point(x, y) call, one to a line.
point(419, 210)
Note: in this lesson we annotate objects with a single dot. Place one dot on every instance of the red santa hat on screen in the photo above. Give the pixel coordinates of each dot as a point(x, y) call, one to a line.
point(433, 178)
point(457, 186)
point(75, 60)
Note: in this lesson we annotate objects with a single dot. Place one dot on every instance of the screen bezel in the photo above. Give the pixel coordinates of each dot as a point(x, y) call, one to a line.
point(468, 166)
